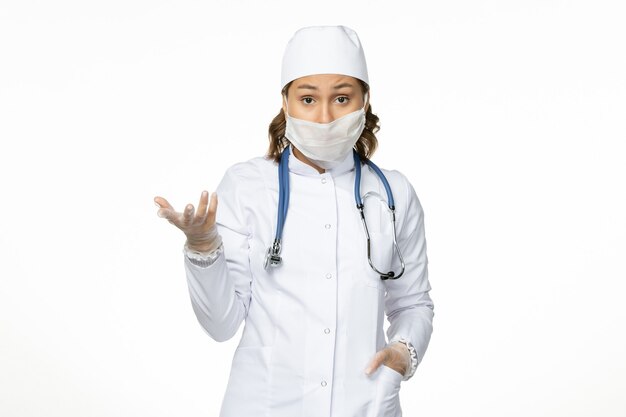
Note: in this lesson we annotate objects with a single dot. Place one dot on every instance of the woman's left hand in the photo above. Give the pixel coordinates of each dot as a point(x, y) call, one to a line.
point(396, 356)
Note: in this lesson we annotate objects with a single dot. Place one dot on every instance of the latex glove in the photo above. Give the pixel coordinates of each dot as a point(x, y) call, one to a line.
point(198, 226)
point(396, 356)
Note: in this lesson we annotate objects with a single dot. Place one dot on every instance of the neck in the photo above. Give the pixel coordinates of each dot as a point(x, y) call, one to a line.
point(304, 159)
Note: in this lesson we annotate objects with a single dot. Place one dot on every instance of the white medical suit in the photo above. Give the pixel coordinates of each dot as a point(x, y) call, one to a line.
point(314, 323)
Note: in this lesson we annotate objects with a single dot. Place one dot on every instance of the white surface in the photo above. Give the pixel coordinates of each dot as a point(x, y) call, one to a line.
point(508, 117)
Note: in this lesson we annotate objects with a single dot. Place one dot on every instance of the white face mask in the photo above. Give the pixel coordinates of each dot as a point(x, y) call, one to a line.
point(326, 144)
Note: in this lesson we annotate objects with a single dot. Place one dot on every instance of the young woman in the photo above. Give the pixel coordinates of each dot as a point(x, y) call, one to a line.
point(312, 245)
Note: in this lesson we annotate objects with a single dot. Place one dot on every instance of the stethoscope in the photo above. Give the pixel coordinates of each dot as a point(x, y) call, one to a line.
point(273, 257)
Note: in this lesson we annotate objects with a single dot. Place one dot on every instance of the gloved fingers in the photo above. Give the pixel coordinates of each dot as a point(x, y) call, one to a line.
point(199, 226)
point(187, 215)
point(166, 210)
point(171, 216)
point(379, 358)
point(399, 358)
point(202, 205)
point(395, 356)
point(210, 218)
point(162, 203)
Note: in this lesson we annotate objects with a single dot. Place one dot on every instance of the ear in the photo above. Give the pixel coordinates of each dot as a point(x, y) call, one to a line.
point(284, 104)
point(367, 101)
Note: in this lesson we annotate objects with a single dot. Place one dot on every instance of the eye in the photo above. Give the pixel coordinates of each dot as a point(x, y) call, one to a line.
point(345, 99)
point(307, 98)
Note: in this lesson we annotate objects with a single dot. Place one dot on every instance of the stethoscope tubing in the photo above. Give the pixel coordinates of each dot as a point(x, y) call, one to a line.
point(357, 182)
point(273, 253)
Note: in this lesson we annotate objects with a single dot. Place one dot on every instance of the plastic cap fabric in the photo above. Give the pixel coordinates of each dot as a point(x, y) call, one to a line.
point(323, 50)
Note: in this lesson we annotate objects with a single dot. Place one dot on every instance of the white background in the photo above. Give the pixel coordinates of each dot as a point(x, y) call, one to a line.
point(507, 116)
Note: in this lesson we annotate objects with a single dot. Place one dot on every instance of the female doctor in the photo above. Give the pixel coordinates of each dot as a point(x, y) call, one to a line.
point(306, 249)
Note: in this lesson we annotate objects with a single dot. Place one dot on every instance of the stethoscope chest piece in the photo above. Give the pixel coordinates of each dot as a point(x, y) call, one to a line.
point(272, 257)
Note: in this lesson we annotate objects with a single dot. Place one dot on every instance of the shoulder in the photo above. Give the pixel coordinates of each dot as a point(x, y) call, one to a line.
point(251, 168)
point(242, 187)
point(404, 194)
point(250, 173)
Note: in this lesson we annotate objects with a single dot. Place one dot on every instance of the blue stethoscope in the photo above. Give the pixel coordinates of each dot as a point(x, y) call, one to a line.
point(273, 257)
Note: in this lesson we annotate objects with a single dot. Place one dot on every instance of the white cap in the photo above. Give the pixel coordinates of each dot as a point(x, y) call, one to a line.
point(323, 50)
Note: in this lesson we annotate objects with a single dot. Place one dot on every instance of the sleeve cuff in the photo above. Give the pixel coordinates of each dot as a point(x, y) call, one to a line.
point(203, 259)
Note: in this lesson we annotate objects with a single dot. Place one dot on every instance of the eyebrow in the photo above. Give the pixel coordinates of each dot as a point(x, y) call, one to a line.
point(337, 87)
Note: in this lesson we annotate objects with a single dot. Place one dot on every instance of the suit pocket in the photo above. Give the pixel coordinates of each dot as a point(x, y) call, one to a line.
point(247, 392)
point(387, 398)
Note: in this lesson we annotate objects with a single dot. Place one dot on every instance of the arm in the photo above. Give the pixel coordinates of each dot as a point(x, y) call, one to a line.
point(220, 292)
point(408, 305)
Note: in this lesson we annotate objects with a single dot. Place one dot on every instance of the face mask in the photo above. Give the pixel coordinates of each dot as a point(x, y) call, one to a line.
point(326, 144)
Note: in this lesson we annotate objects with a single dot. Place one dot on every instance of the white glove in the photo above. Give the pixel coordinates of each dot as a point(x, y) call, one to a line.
point(199, 227)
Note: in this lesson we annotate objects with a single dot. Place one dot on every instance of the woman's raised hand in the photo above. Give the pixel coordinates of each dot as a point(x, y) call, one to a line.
point(198, 226)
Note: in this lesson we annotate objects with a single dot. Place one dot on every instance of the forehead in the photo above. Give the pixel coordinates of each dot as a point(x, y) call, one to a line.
point(324, 80)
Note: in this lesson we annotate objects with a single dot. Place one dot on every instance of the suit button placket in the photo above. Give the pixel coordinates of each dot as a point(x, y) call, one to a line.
point(323, 341)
